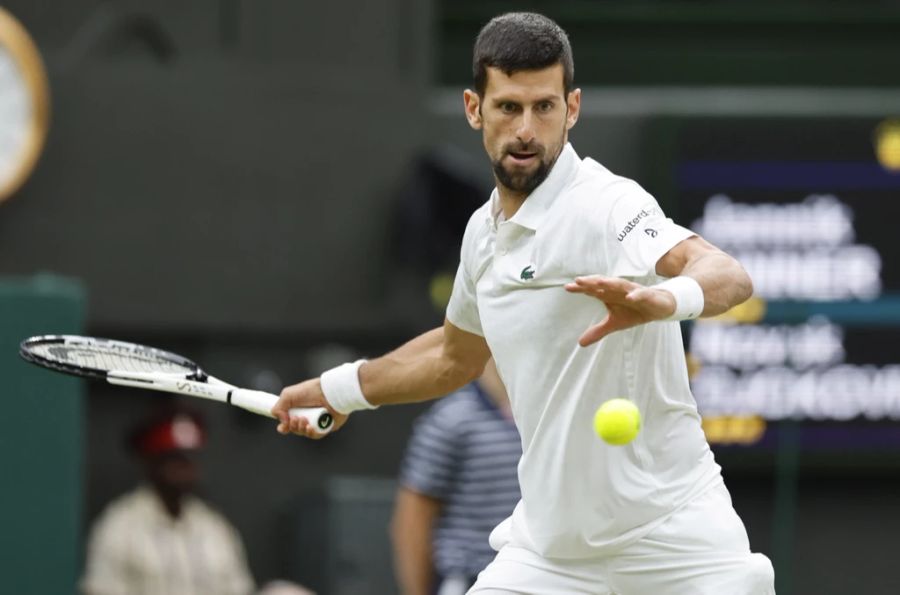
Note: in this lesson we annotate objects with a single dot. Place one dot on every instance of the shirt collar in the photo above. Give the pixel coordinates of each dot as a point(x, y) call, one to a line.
point(495, 213)
point(155, 511)
point(536, 205)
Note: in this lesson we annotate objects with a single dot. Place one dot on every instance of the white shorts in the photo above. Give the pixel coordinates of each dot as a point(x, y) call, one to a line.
point(701, 549)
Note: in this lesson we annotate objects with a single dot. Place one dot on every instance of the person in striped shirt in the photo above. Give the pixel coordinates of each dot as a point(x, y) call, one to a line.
point(457, 482)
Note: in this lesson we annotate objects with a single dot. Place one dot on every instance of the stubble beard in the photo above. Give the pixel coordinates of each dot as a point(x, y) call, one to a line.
point(524, 182)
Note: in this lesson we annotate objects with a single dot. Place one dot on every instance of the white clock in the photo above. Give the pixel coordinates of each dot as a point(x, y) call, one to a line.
point(24, 104)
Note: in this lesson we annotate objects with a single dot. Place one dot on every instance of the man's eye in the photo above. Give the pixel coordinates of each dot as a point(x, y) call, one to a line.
point(545, 107)
point(508, 108)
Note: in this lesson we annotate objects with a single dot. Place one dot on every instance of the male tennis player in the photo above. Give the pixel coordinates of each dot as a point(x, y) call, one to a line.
point(574, 280)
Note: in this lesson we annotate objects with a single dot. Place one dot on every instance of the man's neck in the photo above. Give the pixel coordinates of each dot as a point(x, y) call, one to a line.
point(173, 503)
point(510, 201)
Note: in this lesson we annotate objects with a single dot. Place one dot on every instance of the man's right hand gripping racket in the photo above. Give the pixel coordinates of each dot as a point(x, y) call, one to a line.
point(139, 366)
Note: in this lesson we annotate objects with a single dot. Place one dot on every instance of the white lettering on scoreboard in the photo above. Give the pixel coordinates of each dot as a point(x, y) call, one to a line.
point(804, 251)
point(797, 251)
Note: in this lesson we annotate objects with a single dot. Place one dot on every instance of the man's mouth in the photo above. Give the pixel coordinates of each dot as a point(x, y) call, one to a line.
point(522, 157)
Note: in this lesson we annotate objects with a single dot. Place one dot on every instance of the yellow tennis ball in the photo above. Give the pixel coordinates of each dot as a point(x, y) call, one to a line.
point(617, 421)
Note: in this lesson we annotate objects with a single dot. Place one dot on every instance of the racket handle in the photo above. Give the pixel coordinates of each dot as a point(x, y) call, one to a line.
point(261, 403)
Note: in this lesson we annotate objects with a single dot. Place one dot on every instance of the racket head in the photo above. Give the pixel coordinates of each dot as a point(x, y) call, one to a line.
point(94, 357)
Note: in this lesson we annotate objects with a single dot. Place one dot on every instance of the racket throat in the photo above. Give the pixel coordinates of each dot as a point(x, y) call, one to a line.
point(182, 385)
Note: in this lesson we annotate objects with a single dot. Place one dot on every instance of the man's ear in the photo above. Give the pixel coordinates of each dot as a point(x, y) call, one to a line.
point(473, 108)
point(573, 103)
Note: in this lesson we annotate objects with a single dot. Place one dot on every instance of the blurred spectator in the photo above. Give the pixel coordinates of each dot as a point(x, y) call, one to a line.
point(444, 185)
point(162, 539)
point(458, 481)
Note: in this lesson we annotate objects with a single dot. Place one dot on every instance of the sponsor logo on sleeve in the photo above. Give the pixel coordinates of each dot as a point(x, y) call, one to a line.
point(631, 225)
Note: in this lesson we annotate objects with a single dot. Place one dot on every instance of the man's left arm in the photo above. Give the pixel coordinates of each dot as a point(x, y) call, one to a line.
point(724, 281)
point(703, 281)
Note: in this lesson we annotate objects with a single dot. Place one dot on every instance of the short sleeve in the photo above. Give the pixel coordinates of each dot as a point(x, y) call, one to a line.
point(640, 234)
point(431, 461)
point(462, 310)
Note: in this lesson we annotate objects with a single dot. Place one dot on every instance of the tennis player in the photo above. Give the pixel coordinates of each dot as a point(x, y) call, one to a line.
point(574, 280)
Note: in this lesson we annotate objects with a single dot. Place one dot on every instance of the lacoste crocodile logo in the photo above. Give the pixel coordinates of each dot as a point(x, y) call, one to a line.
point(527, 273)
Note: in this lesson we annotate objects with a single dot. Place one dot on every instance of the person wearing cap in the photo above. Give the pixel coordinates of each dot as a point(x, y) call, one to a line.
point(160, 538)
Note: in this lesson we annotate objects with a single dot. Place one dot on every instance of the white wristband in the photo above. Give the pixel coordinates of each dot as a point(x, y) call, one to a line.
point(688, 297)
point(342, 389)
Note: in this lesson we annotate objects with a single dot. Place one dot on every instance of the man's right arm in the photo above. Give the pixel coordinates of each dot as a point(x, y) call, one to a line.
point(411, 529)
point(431, 365)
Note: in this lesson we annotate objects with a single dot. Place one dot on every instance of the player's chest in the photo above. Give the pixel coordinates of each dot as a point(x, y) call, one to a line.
point(515, 259)
point(520, 279)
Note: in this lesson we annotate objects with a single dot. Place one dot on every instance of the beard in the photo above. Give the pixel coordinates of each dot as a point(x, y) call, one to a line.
point(519, 180)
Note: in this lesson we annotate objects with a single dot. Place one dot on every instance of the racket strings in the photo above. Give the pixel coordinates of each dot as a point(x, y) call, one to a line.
point(105, 358)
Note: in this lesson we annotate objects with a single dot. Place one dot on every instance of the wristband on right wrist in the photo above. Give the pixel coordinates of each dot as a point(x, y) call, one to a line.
point(688, 294)
point(342, 390)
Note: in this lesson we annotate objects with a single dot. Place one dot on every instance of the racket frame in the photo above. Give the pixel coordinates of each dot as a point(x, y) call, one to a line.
point(195, 383)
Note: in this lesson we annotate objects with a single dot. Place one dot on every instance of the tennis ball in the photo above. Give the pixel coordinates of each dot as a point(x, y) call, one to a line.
point(617, 421)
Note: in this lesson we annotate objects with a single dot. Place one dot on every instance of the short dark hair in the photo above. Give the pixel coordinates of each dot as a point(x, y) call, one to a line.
point(518, 41)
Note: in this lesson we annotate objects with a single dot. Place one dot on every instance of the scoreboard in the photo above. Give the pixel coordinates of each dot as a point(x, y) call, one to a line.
point(811, 208)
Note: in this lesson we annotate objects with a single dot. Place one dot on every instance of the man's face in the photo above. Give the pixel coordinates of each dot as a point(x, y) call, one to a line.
point(174, 473)
point(525, 119)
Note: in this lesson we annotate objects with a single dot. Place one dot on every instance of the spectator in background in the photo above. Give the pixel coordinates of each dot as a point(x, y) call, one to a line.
point(161, 539)
point(458, 481)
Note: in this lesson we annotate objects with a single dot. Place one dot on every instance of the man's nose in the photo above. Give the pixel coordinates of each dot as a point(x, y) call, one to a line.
point(525, 131)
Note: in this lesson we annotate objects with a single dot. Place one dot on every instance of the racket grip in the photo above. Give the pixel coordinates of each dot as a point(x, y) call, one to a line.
point(261, 403)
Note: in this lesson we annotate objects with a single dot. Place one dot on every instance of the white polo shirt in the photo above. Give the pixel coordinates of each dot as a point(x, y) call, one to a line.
point(580, 496)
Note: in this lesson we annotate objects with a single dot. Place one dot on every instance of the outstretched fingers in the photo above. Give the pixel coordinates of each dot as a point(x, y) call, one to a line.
point(598, 331)
point(627, 303)
point(607, 289)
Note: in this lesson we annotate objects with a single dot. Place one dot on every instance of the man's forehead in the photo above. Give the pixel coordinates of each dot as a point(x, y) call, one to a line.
point(541, 81)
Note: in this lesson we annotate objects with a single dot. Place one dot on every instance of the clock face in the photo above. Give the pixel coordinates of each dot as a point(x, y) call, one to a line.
point(24, 105)
point(16, 116)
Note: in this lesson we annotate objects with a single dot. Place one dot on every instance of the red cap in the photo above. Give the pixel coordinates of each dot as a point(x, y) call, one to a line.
point(178, 432)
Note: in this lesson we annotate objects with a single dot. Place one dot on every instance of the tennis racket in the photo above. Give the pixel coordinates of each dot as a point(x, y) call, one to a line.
point(139, 366)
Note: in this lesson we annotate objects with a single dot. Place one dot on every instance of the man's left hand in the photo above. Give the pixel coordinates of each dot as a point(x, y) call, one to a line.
point(627, 303)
